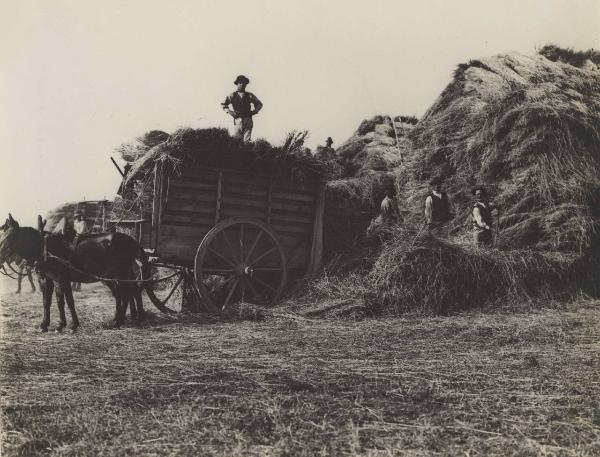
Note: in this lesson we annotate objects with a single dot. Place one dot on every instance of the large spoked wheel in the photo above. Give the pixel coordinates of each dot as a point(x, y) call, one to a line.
point(240, 259)
point(168, 291)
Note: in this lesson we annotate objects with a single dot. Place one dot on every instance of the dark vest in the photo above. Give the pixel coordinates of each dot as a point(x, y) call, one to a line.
point(486, 214)
point(241, 105)
point(440, 207)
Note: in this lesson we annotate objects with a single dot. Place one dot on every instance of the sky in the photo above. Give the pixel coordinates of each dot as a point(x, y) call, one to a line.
point(79, 78)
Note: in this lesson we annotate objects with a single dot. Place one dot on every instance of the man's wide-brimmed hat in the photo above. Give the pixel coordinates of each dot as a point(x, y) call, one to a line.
point(77, 213)
point(329, 140)
point(436, 180)
point(241, 79)
point(481, 188)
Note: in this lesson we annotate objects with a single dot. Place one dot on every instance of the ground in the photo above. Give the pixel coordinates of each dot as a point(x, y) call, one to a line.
point(471, 384)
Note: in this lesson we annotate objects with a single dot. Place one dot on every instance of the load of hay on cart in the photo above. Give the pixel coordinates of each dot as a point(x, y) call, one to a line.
point(239, 221)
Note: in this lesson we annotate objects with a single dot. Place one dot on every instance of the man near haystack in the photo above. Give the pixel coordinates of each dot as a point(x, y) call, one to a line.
point(481, 216)
point(242, 105)
point(437, 208)
point(326, 152)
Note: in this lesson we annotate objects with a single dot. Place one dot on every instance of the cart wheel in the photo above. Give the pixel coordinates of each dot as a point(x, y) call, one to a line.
point(240, 259)
point(161, 292)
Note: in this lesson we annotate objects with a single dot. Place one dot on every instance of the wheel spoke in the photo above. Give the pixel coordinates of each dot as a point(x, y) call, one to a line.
point(267, 269)
point(218, 254)
point(262, 283)
point(230, 246)
point(173, 289)
point(255, 293)
point(262, 256)
point(237, 281)
point(253, 246)
point(241, 242)
point(243, 287)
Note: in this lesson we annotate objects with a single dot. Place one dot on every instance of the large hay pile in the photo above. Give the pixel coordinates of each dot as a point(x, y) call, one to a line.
point(214, 147)
point(529, 129)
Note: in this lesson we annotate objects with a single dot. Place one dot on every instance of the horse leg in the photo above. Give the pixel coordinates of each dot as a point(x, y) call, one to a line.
point(48, 288)
point(30, 277)
point(137, 294)
point(19, 279)
point(60, 301)
point(71, 305)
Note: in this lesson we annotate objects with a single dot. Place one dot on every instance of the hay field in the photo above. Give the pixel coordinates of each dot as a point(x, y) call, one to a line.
point(470, 384)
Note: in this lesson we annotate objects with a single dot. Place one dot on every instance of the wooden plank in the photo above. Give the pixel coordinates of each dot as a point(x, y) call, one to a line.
point(291, 217)
point(199, 173)
point(219, 197)
point(316, 251)
point(245, 178)
point(195, 219)
point(297, 207)
point(284, 197)
point(202, 205)
point(194, 213)
point(288, 228)
point(177, 223)
point(243, 202)
point(269, 202)
point(236, 190)
point(175, 231)
point(231, 170)
point(234, 211)
point(190, 187)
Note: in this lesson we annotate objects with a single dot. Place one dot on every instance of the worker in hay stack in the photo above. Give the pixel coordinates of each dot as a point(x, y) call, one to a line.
point(242, 105)
point(326, 152)
point(438, 211)
point(481, 217)
point(390, 214)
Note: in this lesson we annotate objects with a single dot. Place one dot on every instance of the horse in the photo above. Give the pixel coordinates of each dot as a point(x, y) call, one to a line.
point(106, 257)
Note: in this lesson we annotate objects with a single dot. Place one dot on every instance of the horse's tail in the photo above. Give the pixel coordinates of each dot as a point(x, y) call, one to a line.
point(148, 286)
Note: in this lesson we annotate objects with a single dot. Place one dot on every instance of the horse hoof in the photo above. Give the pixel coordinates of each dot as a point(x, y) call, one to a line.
point(42, 329)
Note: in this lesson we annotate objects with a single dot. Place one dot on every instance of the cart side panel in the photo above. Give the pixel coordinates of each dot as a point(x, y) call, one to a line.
point(188, 213)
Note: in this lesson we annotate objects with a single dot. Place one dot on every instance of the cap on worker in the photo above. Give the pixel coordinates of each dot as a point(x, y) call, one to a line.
point(241, 79)
point(480, 188)
point(77, 213)
point(436, 180)
point(329, 140)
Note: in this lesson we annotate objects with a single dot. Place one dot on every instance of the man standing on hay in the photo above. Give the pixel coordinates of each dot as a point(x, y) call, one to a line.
point(437, 208)
point(481, 216)
point(239, 105)
point(326, 152)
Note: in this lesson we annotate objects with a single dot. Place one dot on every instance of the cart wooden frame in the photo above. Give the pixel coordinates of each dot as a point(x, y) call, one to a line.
point(241, 235)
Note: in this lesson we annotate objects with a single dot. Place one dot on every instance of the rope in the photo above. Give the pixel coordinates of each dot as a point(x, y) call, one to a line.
point(115, 280)
point(15, 271)
point(5, 273)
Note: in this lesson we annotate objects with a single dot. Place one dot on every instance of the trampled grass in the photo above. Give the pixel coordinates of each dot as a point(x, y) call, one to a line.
point(467, 384)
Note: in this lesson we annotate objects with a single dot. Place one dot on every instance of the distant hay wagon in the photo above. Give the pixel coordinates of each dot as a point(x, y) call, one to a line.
point(240, 222)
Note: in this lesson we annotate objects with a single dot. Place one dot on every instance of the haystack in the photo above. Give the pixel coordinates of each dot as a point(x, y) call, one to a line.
point(376, 146)
point(526, 127)
point(214, 147)
point(529, 129)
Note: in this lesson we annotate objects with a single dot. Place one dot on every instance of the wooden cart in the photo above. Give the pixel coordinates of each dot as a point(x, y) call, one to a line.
point(240, 235)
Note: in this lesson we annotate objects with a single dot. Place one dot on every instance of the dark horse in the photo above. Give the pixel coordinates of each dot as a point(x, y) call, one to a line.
point(87, 259)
